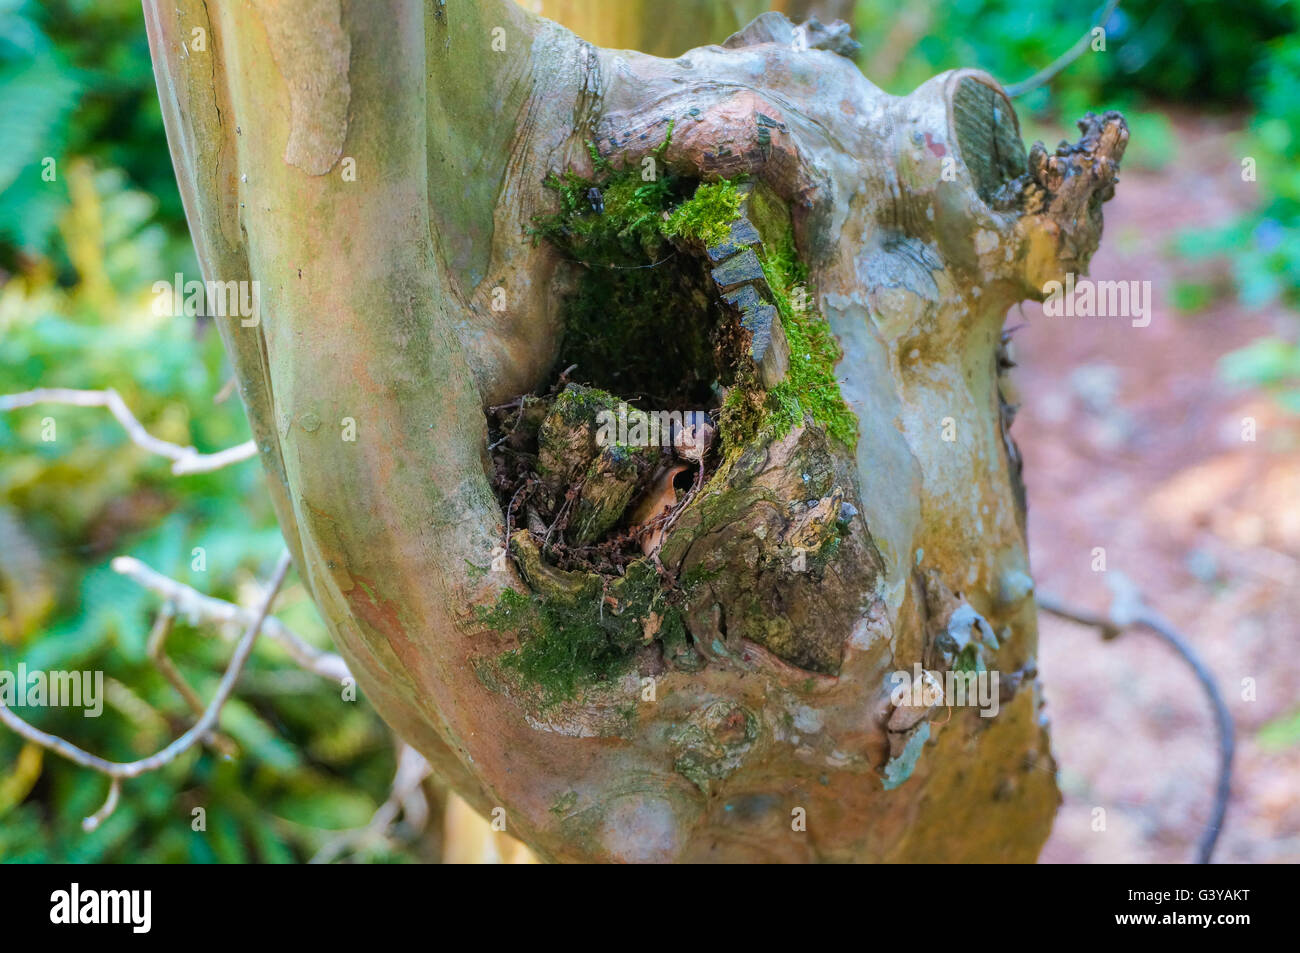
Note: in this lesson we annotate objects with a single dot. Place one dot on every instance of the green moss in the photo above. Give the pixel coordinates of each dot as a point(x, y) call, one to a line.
point(563, 647)
point(579, 405)
point(623, 225)
point(625, 230)
point(672, 633)
point(569, 643)
point(824, 554)
point(643, 318)
point(512, 611)
point(698, 575)
point(570, 650)
point(810, 386)
point(645, 321)
point(707, 215)
point(742, 414)
point(644, 332)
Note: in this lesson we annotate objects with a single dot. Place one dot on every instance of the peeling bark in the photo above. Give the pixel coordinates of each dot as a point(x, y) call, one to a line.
point(413, 298)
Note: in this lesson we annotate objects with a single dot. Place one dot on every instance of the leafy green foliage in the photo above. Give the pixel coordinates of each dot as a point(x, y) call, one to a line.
point(640, 321)
point(1280, 733)
point(307, 763)
point(1201, 51)
point(1269, 363)
point(76, 82)
point(1264, 247)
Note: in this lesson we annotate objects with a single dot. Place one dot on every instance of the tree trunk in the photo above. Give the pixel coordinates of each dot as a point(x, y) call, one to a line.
point(671, 27)
point(716, 684)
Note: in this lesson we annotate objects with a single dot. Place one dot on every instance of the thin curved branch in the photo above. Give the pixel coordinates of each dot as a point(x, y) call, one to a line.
point(1049, 603)
point(1049, 72)
point(118, 770)
point(92, 823)
point(405, 797)
point(185, 460)
point(1156, 623)
point(156, 650)
point(1128, 610)
point(197, 607)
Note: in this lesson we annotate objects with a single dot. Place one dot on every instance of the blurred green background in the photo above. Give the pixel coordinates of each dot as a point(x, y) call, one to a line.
point(78, 256)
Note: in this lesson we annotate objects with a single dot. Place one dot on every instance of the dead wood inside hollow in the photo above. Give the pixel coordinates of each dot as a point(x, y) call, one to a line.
point(721, 504)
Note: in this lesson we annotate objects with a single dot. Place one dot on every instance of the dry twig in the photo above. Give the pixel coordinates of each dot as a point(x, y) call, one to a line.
point(116, 771)
point(1128, 610)
point(405, 798)
point(196, 607)
point(1049, 72)
point(184, 459)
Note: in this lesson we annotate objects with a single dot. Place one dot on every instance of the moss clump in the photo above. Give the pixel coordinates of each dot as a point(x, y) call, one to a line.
point(707, 215)
point(743, 413)
point(567, 435)
point(512, 610)
point(568, 643)
point(810, 386)
point(644, 320)
point(619, 217)
point(562, 648)
point(619, 223)
point(578, 405)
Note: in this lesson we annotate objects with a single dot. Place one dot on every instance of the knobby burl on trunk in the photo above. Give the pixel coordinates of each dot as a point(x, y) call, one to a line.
point(677, 652)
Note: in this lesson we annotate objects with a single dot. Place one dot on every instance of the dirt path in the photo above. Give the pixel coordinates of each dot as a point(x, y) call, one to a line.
point(1133, 444)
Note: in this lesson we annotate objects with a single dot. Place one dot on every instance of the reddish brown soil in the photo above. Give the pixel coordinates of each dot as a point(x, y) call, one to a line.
point(1132, 443)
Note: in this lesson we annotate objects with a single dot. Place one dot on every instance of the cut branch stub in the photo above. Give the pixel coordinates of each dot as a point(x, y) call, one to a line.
point(988, 136)
point(1061, 196)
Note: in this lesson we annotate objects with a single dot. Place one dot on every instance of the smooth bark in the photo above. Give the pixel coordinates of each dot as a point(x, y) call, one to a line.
point(921, 222)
